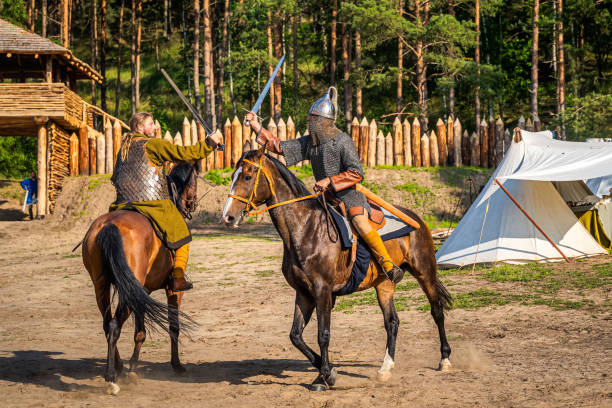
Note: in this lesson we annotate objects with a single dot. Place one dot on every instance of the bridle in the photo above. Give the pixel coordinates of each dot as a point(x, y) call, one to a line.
point(250, 204)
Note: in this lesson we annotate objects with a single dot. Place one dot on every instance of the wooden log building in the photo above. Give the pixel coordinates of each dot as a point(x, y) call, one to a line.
point(38, 98)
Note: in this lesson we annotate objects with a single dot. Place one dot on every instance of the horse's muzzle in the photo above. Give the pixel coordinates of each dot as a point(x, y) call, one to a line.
point(230, 221)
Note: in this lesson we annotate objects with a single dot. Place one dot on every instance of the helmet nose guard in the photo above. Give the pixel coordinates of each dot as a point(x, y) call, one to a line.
point(327, 105)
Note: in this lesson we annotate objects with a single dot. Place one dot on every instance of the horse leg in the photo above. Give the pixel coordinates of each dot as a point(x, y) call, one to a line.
point(174, 304)
point(140, 336)
point(327, 373)
point(384, 292)
point(304, 306)
point(439, 299)
point(114, 365)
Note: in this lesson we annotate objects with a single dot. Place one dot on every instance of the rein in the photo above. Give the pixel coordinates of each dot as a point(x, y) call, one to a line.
point(251, 208)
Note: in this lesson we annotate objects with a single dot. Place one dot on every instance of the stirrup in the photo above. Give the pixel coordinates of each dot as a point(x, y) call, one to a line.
point(188, 285)
point(394, 271)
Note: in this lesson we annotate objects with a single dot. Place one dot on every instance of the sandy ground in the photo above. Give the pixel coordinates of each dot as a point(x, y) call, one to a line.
point(53, 350)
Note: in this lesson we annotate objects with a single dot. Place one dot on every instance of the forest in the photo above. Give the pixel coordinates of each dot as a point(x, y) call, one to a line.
point(429, 59)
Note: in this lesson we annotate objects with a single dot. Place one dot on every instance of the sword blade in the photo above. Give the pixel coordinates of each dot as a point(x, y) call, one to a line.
point(193, 110)
point(263, 93)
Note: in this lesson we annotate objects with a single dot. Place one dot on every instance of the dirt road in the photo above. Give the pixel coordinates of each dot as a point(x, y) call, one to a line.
point(534, 336)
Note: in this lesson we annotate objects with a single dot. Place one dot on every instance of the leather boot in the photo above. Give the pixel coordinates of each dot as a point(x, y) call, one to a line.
point(179, 283)
point(393, 272)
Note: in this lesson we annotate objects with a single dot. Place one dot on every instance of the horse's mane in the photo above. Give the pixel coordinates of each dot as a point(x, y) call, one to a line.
point(295, 184)
point(180, 176)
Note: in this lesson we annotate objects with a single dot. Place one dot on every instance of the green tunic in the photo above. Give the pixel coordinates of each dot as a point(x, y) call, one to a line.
point(168, 222)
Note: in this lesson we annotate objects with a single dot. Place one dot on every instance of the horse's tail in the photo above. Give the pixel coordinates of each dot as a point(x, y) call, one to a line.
point(131, 292)
point(445, 298)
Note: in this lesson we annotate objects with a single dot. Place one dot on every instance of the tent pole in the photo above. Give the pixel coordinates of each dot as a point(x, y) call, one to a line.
point(531, 219)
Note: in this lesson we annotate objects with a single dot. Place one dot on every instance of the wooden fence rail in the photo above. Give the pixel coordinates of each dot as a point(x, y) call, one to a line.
point(448, 144)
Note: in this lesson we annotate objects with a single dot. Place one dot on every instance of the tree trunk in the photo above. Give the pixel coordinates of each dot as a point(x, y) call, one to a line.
point(222, 53)
point(133, 59)
point(209, 88)
point(278, 53)
point(534, 60)
point(477, 61)
point(93, 44)
point(44, 18)
point(332, 48)
point(138, 46)
point(295, 63)
point(358, 93)
point(451, 93)
point(118, 85)
point(421, 68)
point(31, 6)
point(400, 63)
point(346, 62)
point(103, 53)
point(231, 76)
point(196, 54)
point(185, 50)
point(270, 56)
point(65, 25)
point(560, 69)
point(166, 18)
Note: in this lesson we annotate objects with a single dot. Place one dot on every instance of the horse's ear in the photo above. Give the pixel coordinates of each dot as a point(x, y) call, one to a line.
point(247, 146)
point(198, 166)
point(261, 151)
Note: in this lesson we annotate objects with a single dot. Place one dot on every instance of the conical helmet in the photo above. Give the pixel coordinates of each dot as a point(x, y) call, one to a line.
point(327, 105)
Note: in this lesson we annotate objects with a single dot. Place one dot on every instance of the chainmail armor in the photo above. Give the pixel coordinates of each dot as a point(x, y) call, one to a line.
point(328, 159)
point(135, 179)
point(321, 129)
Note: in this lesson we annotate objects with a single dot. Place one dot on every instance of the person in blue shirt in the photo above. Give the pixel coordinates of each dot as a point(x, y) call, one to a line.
point(30, 185)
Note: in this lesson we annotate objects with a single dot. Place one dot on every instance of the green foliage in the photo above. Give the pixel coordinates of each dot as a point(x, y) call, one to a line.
point(219, 177)
point(17, 156)
point(413, 188)
point(517, 273)
point(13, 11)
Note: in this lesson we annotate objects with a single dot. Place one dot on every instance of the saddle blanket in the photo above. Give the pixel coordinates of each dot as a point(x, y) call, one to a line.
point(393, 228)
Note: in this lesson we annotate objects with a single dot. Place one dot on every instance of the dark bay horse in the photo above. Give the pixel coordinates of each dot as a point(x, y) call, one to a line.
point(316, 267)
point(121, 249)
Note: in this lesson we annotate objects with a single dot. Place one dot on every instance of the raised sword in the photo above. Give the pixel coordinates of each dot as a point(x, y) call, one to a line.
point(193, 110)
point(264, 92)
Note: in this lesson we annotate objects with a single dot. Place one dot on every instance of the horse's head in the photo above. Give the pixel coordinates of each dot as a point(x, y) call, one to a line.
point(252, 185)
point(184, 185)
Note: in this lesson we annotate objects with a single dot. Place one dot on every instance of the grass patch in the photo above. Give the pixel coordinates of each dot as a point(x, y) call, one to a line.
point(516, 273)
point(303, 172)
point(413, 188)
point(97, 180)
point(348, 302)
point(219, 177)
point(372, 186)
point(266, 273)
point(71, 256)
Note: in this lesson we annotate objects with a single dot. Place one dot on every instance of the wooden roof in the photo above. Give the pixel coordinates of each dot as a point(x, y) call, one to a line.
point(17, 41)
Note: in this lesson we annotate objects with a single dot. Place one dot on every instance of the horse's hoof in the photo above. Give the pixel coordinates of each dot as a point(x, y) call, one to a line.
point(132, 377)
point(112, 388)
point(383, 376)
point(318, 387)
point(445, 365)
point(331, 378)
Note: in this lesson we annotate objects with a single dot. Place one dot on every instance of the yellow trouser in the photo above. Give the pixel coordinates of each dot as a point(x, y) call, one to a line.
point(376, 244)
point(181, 256)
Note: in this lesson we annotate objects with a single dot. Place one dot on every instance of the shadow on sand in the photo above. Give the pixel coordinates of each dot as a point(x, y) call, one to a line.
point(49, 369)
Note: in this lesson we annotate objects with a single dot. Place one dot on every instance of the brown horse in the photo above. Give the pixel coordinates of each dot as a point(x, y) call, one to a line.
point(121, 249)
point(316, 267)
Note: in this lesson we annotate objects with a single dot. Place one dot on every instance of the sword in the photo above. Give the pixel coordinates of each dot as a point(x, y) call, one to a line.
point(193, 110)
point(263, 93)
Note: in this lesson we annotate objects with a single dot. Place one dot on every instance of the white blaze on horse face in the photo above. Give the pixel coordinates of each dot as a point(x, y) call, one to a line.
point(230, 200)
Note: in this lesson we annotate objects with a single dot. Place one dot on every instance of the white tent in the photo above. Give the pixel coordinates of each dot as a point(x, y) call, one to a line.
point(494, 229)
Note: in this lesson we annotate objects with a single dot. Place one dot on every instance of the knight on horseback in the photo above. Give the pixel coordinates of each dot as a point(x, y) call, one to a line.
point(142, 186)
point(335, 166)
